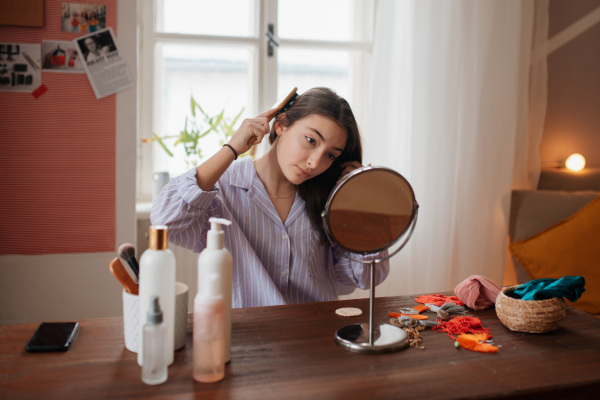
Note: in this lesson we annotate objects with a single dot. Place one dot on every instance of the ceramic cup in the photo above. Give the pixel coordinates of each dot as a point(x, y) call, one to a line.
point(181, 313)
point(159, 180)
point(131, 319)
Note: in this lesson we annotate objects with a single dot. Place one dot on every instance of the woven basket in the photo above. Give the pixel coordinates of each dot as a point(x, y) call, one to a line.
point(532, 316)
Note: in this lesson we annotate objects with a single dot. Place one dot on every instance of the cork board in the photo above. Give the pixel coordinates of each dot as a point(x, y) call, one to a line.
point(22, 13)
point(58, 160)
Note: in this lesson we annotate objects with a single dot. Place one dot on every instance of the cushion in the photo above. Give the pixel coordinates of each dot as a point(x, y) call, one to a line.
point(568, 248)
point(532, 211)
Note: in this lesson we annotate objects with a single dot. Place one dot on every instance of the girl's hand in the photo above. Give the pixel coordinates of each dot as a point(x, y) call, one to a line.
point(348, 167)
point(252, 131)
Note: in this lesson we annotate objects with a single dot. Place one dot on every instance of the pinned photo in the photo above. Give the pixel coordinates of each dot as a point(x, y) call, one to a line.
point(20, 67)
point(104, 65)
point(96, 46)
point(83, 18)
point(61, 56)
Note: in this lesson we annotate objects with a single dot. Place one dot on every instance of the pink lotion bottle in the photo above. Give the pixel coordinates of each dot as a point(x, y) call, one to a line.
point(209, 331)
point(215, 258)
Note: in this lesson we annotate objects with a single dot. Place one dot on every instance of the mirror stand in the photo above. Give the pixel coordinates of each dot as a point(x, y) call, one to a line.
point(368, 339)
point(370, 210)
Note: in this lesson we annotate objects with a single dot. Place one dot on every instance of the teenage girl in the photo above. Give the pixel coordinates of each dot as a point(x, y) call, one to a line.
point(280, 252)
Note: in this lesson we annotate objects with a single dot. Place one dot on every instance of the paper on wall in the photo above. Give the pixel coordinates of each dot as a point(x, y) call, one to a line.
point(20, 67)
point(103, 63)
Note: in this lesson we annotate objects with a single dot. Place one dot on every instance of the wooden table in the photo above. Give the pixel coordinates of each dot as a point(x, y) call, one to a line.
point(288, 352)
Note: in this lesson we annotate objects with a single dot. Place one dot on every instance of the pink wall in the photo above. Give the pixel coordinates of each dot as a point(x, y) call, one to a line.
point(573, 112)
point(57, 164)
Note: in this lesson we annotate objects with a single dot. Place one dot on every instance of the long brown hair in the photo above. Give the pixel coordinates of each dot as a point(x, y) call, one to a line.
point(325, 102)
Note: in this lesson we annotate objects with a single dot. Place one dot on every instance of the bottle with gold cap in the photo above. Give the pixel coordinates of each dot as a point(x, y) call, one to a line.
point(157, 278)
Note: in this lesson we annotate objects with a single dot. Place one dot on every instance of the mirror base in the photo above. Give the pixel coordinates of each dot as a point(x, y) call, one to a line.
point(386, 338)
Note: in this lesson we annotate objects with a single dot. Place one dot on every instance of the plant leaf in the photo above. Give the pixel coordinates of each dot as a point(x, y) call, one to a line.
point(197, 125)
point(194, 105)
point(219, 118)
point(238, 116)
point(159, 140)
point(206, 132)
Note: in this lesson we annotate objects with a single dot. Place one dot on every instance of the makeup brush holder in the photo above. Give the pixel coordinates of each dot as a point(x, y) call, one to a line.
point(131, 321)
point(131, 318)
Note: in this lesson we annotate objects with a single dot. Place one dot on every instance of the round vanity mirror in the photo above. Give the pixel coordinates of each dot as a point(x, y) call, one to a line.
point(370, 210)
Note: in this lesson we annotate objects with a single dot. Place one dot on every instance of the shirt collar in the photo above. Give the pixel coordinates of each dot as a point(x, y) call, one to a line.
point(243, 175)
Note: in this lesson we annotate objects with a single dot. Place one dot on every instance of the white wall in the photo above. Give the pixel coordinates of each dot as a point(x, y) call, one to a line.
point(78, 286)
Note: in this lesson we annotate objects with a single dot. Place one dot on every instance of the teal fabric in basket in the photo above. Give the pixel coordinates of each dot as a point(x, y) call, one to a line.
point(569, 287)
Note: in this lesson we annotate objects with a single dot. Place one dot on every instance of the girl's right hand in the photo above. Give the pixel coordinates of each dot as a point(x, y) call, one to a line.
point(252, 131)
point(348, 167)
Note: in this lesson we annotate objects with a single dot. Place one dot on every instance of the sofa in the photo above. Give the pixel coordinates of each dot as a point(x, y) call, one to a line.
point(554, 231)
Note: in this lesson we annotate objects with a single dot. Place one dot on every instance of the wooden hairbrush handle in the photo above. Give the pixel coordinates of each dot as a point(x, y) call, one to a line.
point(119, 271)
point(288, 99)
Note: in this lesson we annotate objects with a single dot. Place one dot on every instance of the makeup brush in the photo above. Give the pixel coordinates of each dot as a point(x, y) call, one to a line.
point(127, 253)
point(118, 270)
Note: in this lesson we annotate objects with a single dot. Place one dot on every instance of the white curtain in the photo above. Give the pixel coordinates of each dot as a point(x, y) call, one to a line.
point(449, 111)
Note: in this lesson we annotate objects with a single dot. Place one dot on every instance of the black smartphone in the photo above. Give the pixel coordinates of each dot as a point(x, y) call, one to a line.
point(52, 336)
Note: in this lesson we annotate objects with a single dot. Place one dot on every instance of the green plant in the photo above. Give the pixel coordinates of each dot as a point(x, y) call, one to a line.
point(195, 129)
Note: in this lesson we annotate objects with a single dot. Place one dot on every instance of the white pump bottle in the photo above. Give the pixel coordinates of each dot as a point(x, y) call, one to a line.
point(217, 259)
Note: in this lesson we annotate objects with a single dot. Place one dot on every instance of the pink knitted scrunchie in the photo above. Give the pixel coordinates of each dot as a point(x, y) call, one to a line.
point(477, 292)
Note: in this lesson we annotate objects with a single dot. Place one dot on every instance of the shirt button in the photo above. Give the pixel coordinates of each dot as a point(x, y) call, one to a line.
point(283, 273)
point(284, 236)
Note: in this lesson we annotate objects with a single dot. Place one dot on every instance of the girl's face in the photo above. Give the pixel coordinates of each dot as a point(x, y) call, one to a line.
point(308, 147)
point(90, 44)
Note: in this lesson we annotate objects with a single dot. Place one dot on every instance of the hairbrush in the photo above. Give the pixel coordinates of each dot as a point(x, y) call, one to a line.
point(287, 102)
point(281, 108)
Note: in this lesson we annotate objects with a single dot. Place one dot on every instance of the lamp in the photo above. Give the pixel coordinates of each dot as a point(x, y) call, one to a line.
point(575, 162)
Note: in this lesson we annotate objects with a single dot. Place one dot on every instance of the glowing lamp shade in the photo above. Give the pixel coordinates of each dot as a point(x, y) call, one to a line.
point(575, 162)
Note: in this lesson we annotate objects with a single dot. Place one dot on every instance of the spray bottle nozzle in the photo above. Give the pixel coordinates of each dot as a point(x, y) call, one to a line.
point(155, 315)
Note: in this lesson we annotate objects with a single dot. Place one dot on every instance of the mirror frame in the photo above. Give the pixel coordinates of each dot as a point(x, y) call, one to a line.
point(325, 215)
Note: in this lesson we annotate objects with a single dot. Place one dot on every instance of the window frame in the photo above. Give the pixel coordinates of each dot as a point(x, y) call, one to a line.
point(265, 67)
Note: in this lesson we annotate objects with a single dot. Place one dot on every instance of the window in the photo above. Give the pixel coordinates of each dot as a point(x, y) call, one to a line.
point(218, 52)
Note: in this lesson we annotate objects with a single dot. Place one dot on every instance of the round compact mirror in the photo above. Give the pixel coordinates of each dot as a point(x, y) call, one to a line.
point(370, 210)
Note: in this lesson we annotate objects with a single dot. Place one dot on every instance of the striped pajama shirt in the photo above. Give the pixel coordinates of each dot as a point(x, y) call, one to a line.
point(273, 262)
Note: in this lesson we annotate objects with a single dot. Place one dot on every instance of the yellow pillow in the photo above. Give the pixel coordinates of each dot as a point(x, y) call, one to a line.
point(569, 248)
